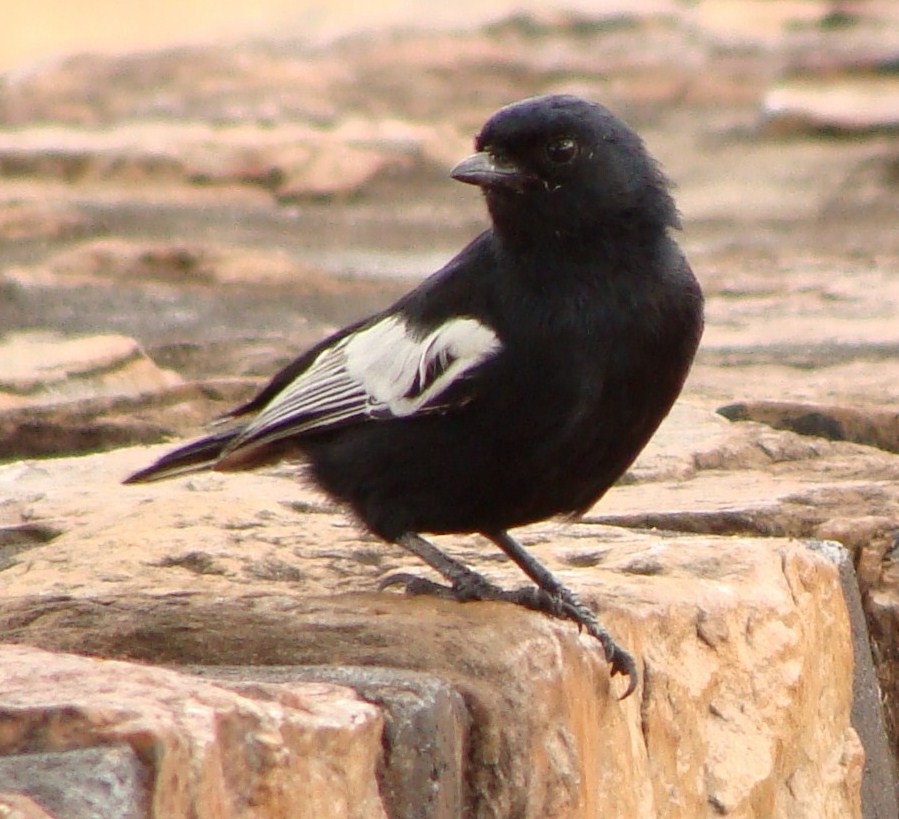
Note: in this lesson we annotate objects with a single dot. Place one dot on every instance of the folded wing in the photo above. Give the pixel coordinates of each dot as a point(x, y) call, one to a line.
point(385, 370)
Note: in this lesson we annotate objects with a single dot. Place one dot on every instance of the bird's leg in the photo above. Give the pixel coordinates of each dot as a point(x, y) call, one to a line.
point(466, 585)
point(549, 597)
point(568, 606)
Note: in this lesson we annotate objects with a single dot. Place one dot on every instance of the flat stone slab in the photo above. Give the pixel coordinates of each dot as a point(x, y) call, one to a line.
point(742, 643)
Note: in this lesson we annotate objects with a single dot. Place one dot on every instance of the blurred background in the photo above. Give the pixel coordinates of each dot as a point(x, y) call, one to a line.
point(191, 192)
point(47, 29)
point(305, 145)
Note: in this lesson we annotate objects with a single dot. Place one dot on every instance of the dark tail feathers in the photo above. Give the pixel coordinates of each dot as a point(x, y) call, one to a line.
point(193, 457)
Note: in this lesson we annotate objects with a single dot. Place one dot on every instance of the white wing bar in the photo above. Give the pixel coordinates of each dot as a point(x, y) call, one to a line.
point(383, 370)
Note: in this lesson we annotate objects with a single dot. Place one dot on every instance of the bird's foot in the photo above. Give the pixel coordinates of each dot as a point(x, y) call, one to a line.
point(548, 596)
point(620, 660)
point(469, 587)
point(567, 605)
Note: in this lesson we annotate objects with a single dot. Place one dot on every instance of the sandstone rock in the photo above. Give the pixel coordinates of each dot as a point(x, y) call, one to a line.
point(851, 38)
point(742, 22)
point(42, 368)
point(302, 163)
point(182, 157)
point(19, 806)
point(218, 84)
point(847, 105)
point(743, 642)
point(879, 786)
point(120, 259)
point(99, 424)
point(882, 610)
point(87, 783)
point(304, 750)
point(63, 395)
point(832, 375)
point(748, 478)
point(872, 426)
point(295, 161)
point(426, 728)
point(126, 261)
point(31, 221)
point(568, 731)
point(335, 173)
point(778, 483)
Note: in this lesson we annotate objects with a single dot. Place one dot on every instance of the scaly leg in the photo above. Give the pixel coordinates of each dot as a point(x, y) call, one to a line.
point(572, 608)
point(549, 597)
point(466, 585)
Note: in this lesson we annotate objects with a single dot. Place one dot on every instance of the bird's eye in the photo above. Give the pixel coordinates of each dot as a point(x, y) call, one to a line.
point(561, 151)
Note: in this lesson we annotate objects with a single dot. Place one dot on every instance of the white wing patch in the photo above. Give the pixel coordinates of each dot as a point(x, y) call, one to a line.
point(382, 371)
point(401, 373)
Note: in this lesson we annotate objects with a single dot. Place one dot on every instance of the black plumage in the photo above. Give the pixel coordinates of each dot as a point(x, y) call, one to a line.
point(516, 383)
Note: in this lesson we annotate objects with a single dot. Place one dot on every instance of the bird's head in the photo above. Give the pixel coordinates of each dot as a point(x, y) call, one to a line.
point(559, 165)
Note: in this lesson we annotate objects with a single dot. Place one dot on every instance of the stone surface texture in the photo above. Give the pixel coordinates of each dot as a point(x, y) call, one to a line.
point(741, 641)
point(179, 220)
point(307, 750)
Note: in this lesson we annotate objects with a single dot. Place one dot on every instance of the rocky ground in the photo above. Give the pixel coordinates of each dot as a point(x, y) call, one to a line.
point(175, 225)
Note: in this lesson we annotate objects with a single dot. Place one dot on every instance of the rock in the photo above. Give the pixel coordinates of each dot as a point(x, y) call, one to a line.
point(64, 395)
point(743, 22)
point(850, 38)
point(672, 452)
point(743, 643)
point(44, 368)
point(752, 479)
point(124, 261)
point(425, 729)
point(569, 730)
point(847, 106)
point(295, 162)
point(879, 787)
point(34, 221)
point(758, 481)
point(19, 806)
point(329, 174)
point(72, 395)
point(225, 84)
point(120, 259)
point(99, 424)
point(300, 163)
point(236, 187)
point(305, 750)
point(871, 426)
point(85, 783)
point(882, 610)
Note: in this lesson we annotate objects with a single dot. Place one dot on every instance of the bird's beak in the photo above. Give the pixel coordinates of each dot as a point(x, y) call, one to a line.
point(485, 170)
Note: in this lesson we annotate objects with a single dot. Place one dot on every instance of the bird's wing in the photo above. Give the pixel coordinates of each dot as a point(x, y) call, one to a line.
point(389, 369)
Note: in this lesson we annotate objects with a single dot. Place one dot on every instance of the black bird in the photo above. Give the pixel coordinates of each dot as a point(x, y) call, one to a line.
point(516, 383)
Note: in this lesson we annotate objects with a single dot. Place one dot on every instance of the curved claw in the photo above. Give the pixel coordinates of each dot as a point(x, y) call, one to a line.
point(472, 586)
point(397, 579)
point(622, 662)
point(619, 660)
point(416, 586)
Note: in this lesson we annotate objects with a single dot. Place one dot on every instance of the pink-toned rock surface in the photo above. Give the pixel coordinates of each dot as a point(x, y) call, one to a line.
point(742, 642)
point(847, 105)
point(89, 393)
point(44, 368)
point(225, 206)
point(305, 750)
point(17, 806)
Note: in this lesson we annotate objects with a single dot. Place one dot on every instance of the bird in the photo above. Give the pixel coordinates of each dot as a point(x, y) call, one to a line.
point(515, 384)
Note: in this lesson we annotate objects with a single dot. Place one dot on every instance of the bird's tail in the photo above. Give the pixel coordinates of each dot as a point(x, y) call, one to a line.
point(193, 457)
